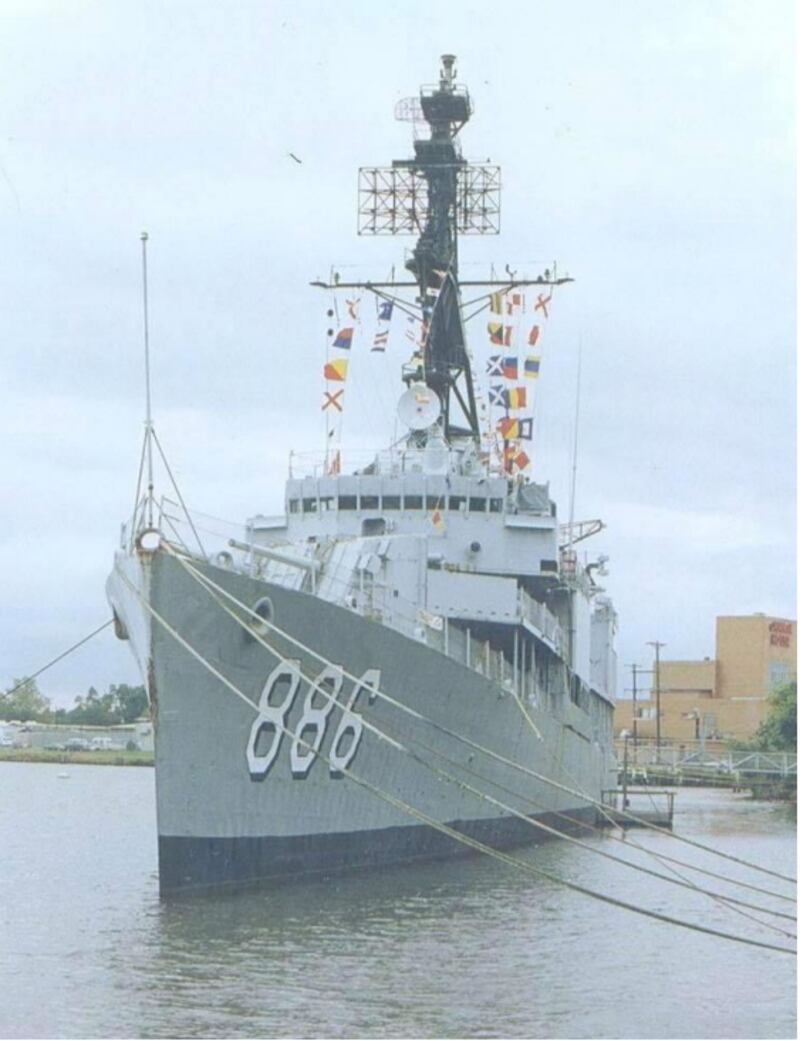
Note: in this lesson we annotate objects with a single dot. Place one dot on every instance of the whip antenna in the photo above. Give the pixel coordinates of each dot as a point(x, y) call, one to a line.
point(573, 477)
point(148, 425)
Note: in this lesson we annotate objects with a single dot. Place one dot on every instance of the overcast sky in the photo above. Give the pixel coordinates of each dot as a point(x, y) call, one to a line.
point(648, 146)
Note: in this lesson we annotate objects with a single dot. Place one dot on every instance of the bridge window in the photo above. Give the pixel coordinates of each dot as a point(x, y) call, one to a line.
point(309, 505)
point(413, 502)
point(369, 502)
point(495, 506)
point(391, 502)
point(477, 505)
point(456, 502)
point(348, 502)
point(434, 502)
point(326, 503)
point(294, 506)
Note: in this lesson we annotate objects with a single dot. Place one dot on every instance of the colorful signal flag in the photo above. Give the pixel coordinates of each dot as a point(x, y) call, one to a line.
point(496, 303)
point(542, 302)
point(494, 365)
point(515, 458)
point(515, 302)
point(515, 429)
point(336, 370)
point(344, 338)
point(495, 332)
point(516, 397)
point(333, 400)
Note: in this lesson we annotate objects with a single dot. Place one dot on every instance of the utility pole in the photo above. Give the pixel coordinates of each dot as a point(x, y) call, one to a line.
point(634, 670)
point(657, 646)
point(624, 735)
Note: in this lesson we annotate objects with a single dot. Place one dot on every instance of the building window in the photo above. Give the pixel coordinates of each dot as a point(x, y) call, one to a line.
point(348, 502)
point(779, 674)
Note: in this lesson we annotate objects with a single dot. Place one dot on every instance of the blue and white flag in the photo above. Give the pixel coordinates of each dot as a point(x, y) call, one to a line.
point(497, 394)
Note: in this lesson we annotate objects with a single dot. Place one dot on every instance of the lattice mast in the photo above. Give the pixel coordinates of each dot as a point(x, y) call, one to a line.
point(437, 194)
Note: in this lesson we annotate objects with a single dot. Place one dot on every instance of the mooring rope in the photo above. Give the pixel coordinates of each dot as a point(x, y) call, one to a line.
point(720, 898)
point(204, 579)
point(58, 658)
point(424, 818)
point(679, 880)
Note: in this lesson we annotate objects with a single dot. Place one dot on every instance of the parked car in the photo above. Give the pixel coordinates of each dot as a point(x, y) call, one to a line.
point(98, 744)
point(77, 744)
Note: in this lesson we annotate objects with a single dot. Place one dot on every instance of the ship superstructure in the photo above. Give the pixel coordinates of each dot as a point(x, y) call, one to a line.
point(398, 634)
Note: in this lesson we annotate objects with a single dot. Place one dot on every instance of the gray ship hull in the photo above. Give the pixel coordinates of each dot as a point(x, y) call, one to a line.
point(240, 802)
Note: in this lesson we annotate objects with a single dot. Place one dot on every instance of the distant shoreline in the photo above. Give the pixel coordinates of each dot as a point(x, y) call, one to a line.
point(84, 757)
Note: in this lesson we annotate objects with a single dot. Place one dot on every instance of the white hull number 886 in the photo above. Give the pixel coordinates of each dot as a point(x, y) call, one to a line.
point(321, 697)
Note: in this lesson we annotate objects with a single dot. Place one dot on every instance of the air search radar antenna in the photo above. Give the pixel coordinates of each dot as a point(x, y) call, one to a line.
point(419, 407)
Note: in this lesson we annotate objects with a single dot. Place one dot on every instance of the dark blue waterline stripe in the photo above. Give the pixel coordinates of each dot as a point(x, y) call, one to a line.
point(193, 863)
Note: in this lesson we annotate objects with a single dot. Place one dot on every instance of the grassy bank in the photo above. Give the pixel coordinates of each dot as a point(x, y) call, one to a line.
point(100, 757)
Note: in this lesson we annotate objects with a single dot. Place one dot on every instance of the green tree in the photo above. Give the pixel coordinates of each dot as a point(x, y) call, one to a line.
point(23, 701)
point(95, 710)
point(119, 704)
point(131, 702)
point(778, 732)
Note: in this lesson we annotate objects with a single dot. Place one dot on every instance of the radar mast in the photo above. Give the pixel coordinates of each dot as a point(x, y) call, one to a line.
point(437, 194)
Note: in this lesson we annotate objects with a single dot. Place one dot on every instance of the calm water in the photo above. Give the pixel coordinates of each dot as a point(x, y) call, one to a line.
point(471, 949)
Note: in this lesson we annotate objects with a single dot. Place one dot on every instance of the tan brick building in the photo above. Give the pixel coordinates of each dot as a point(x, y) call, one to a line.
point(724, 697)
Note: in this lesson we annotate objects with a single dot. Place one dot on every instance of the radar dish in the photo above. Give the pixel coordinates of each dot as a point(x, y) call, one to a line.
point(419, 407)
point(409, 110)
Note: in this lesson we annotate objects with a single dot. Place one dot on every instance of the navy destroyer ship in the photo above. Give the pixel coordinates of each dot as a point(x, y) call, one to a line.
point(410, 661)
